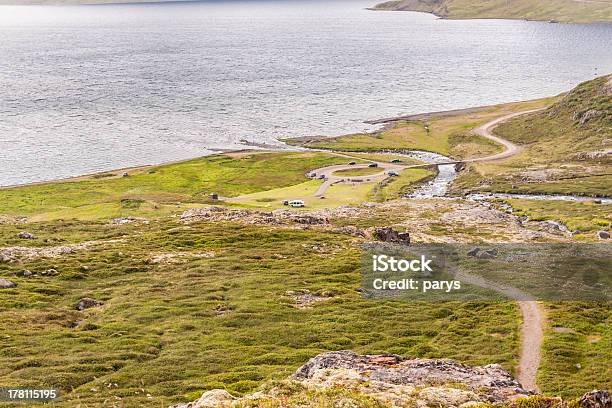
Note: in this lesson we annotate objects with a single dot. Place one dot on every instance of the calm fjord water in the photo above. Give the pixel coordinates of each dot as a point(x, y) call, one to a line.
point(91, 88)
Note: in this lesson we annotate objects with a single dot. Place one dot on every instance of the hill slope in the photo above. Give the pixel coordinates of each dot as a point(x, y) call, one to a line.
point(568, 147)
point(559, 10)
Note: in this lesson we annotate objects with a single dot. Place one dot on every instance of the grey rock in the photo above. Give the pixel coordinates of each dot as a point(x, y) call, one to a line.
point(603, 235)
point(483, 253)
point(86, 303)
point(394, 369)
point(6, 284)
point(26, 235)
point(26, 274)
point(390, 235)
point(596, 399)
point(473, 252)
point(210, 399)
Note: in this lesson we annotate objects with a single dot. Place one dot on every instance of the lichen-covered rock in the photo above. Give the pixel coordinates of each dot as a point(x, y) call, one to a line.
point(389, 380)
point(596, 399)
point(210, 399)
point(26, 235)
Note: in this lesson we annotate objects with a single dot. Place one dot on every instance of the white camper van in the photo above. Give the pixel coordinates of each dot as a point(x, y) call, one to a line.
point(296, 203)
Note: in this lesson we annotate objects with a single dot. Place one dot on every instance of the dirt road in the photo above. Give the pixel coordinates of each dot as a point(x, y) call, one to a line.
point(510, 148)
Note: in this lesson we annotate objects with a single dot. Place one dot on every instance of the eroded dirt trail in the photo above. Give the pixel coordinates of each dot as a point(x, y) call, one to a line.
point(531, 343)
point(531, 328)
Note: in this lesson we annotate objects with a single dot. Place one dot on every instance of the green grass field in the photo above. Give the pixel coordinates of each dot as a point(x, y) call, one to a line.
point(167, 185)
point(363, 171)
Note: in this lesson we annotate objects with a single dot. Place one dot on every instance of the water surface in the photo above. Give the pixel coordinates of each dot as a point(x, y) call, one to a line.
point(92, 88)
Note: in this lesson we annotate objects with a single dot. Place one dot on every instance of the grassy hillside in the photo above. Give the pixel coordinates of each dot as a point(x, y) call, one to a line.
point(567, 148)
point(448, 133)
point(558, 10)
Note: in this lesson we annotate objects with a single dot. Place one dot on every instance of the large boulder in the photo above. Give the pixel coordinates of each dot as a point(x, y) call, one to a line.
point(388, 234)
point(26, 235)
point(6, 284)
point(383, 380)
point(603, 235)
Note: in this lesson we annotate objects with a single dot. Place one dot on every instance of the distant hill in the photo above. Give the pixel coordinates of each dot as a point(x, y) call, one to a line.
point(547, 10)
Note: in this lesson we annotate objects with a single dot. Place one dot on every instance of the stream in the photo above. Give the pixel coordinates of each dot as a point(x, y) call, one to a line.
point(438, 186)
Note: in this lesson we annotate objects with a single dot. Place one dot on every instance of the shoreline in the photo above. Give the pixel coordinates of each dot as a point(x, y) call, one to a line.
point(121, 170)
point(381, 121)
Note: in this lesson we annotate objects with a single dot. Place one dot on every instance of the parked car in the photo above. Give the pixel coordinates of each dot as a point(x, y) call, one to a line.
point(352, 163)
point(373, 165)
point(297, 203)
point(285, 202)
point(322, 177)
point(396, 161)
point(393, 173)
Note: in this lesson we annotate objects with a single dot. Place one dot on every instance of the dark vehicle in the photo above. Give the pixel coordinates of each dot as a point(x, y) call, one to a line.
point(352, 163)
point(393, 173)
point(373, 165)
point(396, 161)
point(322, 177)
point(285, 202)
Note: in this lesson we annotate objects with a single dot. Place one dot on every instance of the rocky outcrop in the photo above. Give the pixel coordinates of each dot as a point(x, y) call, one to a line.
point(388, 234)
point(210, 399)
point(596, 399)
point(277, 217)
point(481, 253)
point(384, 379)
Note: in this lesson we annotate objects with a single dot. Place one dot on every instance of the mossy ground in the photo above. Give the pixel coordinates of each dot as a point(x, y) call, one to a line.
point(171, 330)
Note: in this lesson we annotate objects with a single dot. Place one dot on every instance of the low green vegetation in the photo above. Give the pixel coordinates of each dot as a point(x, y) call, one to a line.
point(384, 157)
point(576, 352)
point(191, 308)
point(547, 10)
point(584, 218)
point(395, 187)
point(173, 184)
